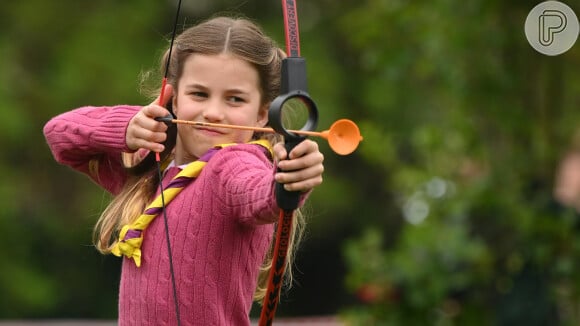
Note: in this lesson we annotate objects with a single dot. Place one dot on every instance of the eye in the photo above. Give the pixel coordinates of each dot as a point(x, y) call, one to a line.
point(198, 94)
point(236, 99)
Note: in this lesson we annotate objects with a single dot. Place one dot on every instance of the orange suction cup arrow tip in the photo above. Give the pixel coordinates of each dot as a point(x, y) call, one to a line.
point(343, 136)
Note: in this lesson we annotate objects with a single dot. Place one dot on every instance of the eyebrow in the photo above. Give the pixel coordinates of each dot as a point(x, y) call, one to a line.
point(235, 90)
point(194, 85)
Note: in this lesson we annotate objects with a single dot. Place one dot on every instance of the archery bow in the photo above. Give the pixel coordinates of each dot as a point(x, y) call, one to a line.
point(293, 86)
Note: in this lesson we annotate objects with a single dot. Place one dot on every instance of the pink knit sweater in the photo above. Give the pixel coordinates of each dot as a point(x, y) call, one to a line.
point(220, 225)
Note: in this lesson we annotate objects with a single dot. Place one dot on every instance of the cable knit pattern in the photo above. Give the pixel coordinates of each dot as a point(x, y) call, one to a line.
point(88, 133)
point(220, 225)
point(216, 250)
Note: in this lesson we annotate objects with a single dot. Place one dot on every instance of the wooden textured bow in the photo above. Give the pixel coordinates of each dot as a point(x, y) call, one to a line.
point(293, 86)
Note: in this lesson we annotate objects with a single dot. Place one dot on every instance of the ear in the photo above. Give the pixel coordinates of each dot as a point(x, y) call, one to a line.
point(263, 115)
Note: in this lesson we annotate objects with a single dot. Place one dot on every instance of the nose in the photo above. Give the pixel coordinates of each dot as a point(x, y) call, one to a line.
point(213, 111)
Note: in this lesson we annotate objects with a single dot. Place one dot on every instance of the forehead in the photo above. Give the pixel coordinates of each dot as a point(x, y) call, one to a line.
point(221, 70)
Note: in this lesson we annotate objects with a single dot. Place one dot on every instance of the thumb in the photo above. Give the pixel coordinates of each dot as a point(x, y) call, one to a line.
point(165, 95)
point(280, 151)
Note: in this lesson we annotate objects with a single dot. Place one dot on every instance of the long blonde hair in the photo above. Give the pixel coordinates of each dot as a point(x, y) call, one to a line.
point(236, 36)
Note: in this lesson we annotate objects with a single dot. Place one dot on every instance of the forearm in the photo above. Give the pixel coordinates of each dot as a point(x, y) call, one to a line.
point(245, 185)
point(90, 134)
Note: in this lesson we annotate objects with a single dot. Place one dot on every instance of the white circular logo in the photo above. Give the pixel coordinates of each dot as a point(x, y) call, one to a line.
point(551, 28)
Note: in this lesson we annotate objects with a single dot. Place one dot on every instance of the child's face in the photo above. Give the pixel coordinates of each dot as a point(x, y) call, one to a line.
point(218, 89)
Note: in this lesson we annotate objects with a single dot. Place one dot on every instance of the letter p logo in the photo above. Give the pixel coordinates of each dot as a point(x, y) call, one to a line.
point(551, 27)
point(551, 22)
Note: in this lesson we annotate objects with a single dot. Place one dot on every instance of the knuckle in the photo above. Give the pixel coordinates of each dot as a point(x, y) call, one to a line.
point(145, 134)
point(160, 137)
point(314, 145)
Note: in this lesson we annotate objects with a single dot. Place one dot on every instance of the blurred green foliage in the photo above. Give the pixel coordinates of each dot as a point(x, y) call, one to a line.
point(443, 216)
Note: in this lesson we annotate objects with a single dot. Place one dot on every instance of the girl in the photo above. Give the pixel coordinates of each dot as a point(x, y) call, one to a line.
point(221, 224)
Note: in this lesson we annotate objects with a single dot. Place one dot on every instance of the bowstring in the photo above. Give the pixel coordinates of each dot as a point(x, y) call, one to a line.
point(158, 160)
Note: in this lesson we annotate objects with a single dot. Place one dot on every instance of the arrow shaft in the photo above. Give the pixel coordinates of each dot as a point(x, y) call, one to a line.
point(260, 129)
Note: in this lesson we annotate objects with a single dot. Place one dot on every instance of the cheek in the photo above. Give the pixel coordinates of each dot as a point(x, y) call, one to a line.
point(184, 109)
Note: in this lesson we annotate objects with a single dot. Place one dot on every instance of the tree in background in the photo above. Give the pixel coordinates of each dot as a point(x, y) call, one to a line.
point(465, 125)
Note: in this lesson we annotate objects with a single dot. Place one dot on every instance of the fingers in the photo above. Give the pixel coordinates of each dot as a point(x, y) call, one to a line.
point(144, 131)
point(153, 111)
point(302, 180)
point(303, 169)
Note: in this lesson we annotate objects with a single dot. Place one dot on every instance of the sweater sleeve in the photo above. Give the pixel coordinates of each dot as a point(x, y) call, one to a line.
point(88, 135)
point(245, 184)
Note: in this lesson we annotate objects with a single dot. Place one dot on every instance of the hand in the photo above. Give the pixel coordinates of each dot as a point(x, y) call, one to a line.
point(144, 131)
point(302, 169)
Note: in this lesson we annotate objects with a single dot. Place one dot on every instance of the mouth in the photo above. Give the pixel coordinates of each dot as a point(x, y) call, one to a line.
point(210, 131)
